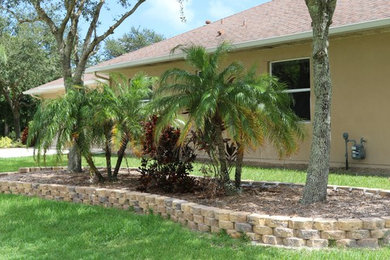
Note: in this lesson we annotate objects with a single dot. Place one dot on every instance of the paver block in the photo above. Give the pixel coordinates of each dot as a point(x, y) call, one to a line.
point(300, 223)
point(243, 227)
point(294, 242)
point(333, 234)
point(307, 233)
point(283, 232)
point(358, 234)
point(349, 224)
point(263, 230)
point(373, 223)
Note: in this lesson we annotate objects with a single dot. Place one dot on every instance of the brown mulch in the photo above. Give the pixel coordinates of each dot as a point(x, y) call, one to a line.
point(272, 200)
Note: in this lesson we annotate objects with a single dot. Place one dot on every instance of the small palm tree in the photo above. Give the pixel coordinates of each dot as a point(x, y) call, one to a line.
point(201, 94)
point(103, 119)
point(264, 112)
point(130, 109)
point(217, 98)
point(65, 120)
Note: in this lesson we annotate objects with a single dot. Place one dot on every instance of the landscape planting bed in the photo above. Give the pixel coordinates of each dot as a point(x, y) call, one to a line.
point(266, 212)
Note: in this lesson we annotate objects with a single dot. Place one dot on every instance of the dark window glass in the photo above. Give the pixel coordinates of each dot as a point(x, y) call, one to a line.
point(296, 75)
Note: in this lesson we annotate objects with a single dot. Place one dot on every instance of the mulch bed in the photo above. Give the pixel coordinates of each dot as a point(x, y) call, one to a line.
point(272, 200)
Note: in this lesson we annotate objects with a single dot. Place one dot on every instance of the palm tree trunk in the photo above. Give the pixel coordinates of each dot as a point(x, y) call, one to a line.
point(74, 156)
point(107, 149)
point(221, 151)
point(121, 154)
point(74, 159)
point(239, 162)
point(91, 164)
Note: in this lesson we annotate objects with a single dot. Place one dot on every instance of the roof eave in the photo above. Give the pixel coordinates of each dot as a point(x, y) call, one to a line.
point(250, 44)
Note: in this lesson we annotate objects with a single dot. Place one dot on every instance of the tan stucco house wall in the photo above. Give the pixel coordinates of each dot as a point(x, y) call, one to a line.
point(360, 64)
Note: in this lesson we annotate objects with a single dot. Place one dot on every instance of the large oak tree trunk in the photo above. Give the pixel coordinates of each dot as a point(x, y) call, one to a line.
point(321, 12)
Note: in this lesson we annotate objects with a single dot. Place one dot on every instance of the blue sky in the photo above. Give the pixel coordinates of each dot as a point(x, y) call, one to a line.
point(163, 16)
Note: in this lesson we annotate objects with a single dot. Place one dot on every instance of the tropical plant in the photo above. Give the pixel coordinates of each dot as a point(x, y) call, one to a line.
point(166, 165)
point(130, 109)
point(200, 94)
point(216, 98)
point(89, 117)
point(66, 120)
point(263, 113)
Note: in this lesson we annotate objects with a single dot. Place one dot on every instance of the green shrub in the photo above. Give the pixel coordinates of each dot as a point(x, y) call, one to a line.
point(5, 142)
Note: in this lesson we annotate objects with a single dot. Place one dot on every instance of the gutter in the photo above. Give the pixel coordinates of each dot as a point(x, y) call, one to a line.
point(55, 88)
point(251, 44)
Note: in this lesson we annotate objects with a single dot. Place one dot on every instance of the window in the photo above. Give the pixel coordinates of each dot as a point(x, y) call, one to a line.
point(296, 75)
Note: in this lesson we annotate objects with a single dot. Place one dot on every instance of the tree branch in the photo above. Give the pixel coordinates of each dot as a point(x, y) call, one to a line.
point(110, 30)
point(69, 6)
point(92, 26)
point(44, 17)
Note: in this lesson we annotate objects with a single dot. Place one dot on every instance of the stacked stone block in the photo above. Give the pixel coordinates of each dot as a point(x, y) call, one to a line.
point(264, 229)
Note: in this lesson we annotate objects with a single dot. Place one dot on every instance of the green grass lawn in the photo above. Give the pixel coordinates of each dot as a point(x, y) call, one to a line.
point(31, 228)
point(250, 173)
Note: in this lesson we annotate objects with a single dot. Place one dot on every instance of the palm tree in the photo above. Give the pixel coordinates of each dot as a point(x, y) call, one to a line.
point(65, 120)
point(264, 113)
point(103, 119)
point(217, 98)
point(130, 109)
point(202, 95)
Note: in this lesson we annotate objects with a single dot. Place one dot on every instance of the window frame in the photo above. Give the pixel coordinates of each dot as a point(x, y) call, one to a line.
point(298, 90)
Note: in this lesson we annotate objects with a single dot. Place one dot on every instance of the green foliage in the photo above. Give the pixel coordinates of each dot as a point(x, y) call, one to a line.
point(131, 41)
point(5, 142)
point(229, 99)
point(89, 117)
point(27, 59)
point(120, 108)
point(66, 120)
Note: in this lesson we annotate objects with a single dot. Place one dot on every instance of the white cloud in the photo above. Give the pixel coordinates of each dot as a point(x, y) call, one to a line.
point(218, 10)
point(168, 12)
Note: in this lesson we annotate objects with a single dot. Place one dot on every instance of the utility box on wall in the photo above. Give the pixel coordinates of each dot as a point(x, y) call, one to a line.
point(358, 152)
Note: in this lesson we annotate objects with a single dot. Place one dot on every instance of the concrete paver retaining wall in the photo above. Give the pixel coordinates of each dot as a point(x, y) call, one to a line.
point(265, 229)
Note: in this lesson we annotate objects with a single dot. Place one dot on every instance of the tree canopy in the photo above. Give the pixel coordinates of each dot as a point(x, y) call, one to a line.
point(131, 41)
point(29, 60)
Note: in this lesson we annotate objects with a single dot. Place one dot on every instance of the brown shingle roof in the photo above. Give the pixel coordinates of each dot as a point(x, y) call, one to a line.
point(266, 21)
point(58, 85)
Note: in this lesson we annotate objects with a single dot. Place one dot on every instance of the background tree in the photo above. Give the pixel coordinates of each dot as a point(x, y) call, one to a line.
point(63, 19)
point(321, 12)
point(31, 61)
point(131, 41)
